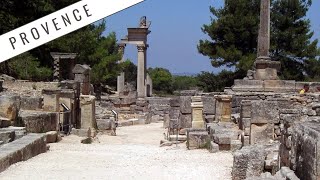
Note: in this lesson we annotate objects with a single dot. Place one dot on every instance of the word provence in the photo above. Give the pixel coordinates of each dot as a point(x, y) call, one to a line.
point(56, 24)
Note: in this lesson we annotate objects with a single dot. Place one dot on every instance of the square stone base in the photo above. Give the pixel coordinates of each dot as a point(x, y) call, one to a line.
point(198, 124)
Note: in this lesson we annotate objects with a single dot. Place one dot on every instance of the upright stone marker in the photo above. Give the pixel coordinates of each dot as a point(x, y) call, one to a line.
point(121, 77)
point(197, 113)
point(265, 69)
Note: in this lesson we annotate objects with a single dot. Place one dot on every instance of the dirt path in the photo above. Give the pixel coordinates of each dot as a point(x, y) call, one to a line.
point(133, 154)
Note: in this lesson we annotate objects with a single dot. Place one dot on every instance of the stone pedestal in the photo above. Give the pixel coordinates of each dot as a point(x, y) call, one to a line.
point(51, 100)
point(223, 108)
point(88, 111)
point(197, 113)
point(265, 69)
point(82, 75)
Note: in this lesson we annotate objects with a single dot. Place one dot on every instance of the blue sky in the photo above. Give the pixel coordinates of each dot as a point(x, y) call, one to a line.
point(176, 30)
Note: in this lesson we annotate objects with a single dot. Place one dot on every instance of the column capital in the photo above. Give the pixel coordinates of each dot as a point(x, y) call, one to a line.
point(142, 47)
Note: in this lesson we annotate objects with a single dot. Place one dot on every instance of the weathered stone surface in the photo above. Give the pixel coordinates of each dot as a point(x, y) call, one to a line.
point(235, 145)
point(7, 136)
point(209, 104)
point(51, 136)
point(39, 121)
point(265, 112)
point(185, 104)
point(51, 100)
point(246, 108)
point(18, 131)
point(9, 107)
point(185, 121)
point(31, 103)
point(214, 148)
point(87, 105)
point(248, 162)
point(106, 124)
point(261, 133)
point(209, 118)
point(174, 112)
point(175, 102)
point(198, 139)
point(22, 150)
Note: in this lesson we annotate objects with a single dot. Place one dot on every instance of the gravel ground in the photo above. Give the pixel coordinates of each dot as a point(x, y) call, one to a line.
point(133, 154)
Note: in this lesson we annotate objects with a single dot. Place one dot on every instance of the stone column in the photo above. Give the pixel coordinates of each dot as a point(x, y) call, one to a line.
point(141, 78)
point(56, 71)
point(197, 113)
point(265, 69)
point(264, 30)
point(121, 77)
point(149, 86)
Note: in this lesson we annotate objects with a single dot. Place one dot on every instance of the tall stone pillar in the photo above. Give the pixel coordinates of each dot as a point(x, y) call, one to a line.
point(264, 30)
point(265, 69)
point(141, 77)
point(56, 71)
point(121, 77)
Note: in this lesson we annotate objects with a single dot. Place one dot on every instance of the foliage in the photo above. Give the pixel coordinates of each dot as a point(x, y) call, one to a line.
point(161, 79)
point(210, 82)
point(25, 66)
point(233, 33)
point(184, 82)
point(130, 71)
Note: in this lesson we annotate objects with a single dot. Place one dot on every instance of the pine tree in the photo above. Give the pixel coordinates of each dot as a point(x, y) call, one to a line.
point(291, 38)
point(234, 31)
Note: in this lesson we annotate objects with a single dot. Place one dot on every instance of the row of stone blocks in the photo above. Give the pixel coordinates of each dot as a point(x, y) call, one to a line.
point(22, 149)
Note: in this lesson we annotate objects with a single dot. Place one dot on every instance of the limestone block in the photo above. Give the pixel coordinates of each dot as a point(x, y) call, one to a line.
point(105, 124)
point(87, 105)
point(245, 111)
point(247, 85)
point(261, 133)
point(9, 107)
point(7, 136)
point(185, 104)
point(197, 115)
point(265, 112)
point(235, 145)
point(175, 102)
point(224, 139)
point(31, 103)
point(51, 100)
point(21, 150)
point(248, 162)
point(51, 136)
point(209, 104)
point(223, 108)
point(279, 85)
point(185, 121)
point(39, 121)
point(214, 148)
point(197, 139)
point(174, 112)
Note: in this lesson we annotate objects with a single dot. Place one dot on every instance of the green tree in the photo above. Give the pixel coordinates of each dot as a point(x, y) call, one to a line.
point(184, 82)
point(210, 82)
point(234, 33)
point(130, 72)
point(161, 79)
point(291, 38)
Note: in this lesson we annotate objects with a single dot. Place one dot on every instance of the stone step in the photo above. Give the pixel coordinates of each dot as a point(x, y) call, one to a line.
point(22, 149)
point(19, 131)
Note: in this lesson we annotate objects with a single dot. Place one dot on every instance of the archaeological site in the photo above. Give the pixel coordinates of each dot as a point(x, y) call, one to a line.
point(260, 128)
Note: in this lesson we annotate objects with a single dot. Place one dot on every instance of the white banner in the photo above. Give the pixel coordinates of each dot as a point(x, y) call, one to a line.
point(58, 24)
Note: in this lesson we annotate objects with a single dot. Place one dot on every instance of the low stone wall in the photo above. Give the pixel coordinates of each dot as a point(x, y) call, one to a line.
point(39, 121)
point(22, 150)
